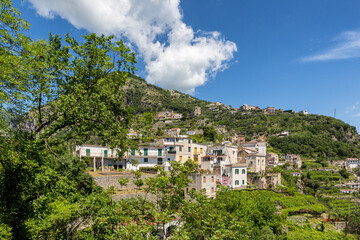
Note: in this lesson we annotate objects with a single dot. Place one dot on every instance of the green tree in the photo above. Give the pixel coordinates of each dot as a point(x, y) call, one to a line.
point(58, 95)
point(344, 173)
point(123, 182)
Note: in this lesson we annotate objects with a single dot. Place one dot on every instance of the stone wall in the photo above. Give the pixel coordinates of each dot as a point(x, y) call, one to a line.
point(264, 181)
point(106, 181)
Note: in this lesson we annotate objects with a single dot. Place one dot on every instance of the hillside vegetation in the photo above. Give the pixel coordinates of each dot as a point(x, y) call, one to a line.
point(311, 135)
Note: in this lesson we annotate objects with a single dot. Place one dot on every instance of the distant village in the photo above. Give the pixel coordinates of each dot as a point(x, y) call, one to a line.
point(234, 164)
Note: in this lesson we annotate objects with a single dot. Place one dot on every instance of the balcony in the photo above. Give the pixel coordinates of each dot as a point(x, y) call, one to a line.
point(171, 152)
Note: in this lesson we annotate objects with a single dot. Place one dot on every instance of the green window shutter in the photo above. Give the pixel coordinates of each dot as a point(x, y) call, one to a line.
point(180, 149)
point(88, 152)
point(146, 160)
point(220, 152)
point(243, 171)
point(145, 152)
point(159, 161)
point(189, 149)
point(243, 181)
point(105, 153)
point(236, 171)
point(159, 152)
point(236, 182)
point(132, 152)
point(189, 141)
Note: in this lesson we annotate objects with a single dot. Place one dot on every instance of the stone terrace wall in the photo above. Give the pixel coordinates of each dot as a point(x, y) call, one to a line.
point(106, 181)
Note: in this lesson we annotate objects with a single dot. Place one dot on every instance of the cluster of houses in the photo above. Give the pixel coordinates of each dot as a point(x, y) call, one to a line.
point(269, 109)
point(226, 164)
point(168, 115)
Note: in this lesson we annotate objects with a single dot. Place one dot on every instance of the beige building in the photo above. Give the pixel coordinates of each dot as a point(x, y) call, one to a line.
point(246, 107)
point(272, 159)
point(255, 156)
point(270, 110)
point(185, 149)
point(197, 111)
point(205, 183)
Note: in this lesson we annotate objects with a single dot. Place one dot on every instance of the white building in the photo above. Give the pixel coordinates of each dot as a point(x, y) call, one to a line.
point(256, 156)
point(225, 153)
point(234, 176)
point(352, 163)
point(101, 157)
point(304, 112)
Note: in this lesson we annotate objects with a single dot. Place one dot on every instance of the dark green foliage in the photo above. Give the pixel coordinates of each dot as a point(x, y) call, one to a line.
point(315, 146)
point(210, 134)
point(344, 173)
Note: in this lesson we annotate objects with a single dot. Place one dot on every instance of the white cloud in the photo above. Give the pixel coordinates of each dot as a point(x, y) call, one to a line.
point(176, 57)
point(348, 46)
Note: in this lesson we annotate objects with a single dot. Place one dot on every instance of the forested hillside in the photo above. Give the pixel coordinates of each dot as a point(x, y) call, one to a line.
point(310, 135)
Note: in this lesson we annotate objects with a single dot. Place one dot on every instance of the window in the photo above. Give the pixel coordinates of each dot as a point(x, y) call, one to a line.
point(187, 190)
point(189, 141)
point(146, 160)
point(243, 171)
point(212, 190)
point(105, 153)
point(201, 150)
point(236, 182)
point(243, 182)
point(88, 152)
point(159, 152)
point(237, 171)
point(145, 151)
point(159, 161)
point(212, 178)
point(132, 152)
point(204, 190)
point(189, 149)
point(180, 158)
point(204, 179)
point(180, 149)
point(195, 150)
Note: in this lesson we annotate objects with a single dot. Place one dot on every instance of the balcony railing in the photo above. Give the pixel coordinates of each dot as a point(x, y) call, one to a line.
point(171, 152)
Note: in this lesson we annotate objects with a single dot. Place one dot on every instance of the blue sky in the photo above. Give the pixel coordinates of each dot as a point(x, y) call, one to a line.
point(301, 55)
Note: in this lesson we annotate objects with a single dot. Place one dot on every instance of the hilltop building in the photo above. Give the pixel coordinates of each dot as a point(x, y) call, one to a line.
point(246, 107)
point(304, 112)
point(270, 110)
point(197, 111)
